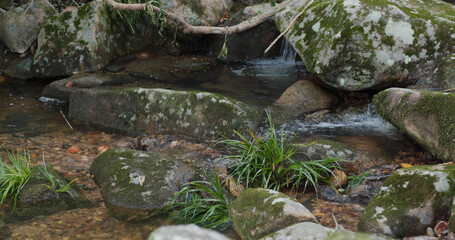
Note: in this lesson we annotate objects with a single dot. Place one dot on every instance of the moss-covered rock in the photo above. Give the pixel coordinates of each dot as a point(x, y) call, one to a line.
point(199, 12)
point(258, 212)
point(20, 26)
point(138, 111)
point(84, 39)
point(357, 236)
point(185, 232)
point(426, 117)
point(364, 44)
point(410, 200)
point(301, 231)
point(138, 185)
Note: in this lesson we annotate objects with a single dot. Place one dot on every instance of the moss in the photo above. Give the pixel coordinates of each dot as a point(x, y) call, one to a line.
point(195, 6)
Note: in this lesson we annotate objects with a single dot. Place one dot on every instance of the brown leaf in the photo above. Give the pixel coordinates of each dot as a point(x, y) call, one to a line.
point(74, 150)
point(441, 226)
point(69, 84)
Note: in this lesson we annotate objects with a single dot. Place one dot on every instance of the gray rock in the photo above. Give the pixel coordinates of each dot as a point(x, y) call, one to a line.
point(140, 111)
point(199, 12)
point(138, 185)
point(61, 89)
point(426, 117)
point(20, 26)
point(304, 97)
point(19, 68)
point(259, 212)
point(410, 201)
point(84, 39)
point(301, 231)
point(358, 236)
point(359, 44)
point(185, 232)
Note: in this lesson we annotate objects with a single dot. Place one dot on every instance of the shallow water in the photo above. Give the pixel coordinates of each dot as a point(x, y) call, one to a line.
point(26, 122)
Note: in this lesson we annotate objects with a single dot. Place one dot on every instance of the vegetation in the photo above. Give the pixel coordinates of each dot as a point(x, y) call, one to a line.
point(202, 203)
point(14, 176)
point(355, 181)
point(268, 162)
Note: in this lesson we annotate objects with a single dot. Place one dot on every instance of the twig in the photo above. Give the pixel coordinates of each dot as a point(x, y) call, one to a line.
point(66, 120)
point(289, 27)
point(2, 10)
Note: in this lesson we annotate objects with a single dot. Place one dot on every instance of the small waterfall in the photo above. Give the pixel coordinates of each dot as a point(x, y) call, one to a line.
point(287, 52)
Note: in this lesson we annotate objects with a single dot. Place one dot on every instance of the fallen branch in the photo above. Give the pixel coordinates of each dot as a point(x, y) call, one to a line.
point(188, 28)
point(289, 26)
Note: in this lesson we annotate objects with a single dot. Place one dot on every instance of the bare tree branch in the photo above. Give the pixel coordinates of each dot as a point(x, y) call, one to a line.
point(188, 28)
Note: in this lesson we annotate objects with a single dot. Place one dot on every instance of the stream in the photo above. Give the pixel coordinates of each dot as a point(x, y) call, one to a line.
point(40, 127)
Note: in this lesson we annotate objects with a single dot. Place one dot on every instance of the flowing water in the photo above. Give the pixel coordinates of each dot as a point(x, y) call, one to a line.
point(40, 127)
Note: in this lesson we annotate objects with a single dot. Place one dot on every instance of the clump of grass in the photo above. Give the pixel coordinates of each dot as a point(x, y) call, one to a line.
point(356, 180)
point(14, 177)
point(202, 203)
point(268, 162)
point(53, 183)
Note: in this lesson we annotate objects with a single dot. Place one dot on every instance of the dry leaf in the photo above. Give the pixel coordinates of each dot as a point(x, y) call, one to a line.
point(69, 84)
point(405, 165)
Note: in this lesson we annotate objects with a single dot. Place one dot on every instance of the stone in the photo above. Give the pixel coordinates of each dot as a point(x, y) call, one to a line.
point(199, 12)
point(258, 212)
point(61, 89)
point(19, 68)
point(185, 232)
point(138, 185)
point(20, 26)
point(305, 97)
point(357, 236)
point(359, 44)
point(410, 201)
point(301, 231)
point(426, 117)
point(200, 115)
point(84, 39)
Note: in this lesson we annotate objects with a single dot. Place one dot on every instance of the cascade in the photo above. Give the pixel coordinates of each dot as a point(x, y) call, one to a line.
point(287, 52)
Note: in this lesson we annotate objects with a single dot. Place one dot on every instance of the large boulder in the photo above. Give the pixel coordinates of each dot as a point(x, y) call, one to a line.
point(185, 232)
point(84, 39)
point(20, 26)
point(357, 236)
point(138, 111)
point(360, 44)
point(137, 185)
point(199, 12)
point(410, 201)
point(301, 231)
point(426, 117)
point(258, 212)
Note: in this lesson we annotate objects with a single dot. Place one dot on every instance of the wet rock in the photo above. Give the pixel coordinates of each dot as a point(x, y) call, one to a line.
point(138, 185)
point(426, 117)
point(185, 232)
point(19, 68)
point(199, 12)
point(357, 45)
point(36, 199)
point(84, 39)
point(301, 231)
point(304, 97)
point(410, 200)
point(258, 212)
point(357, 236)
point(20, 26)
point(61, 89)
point(251, 44)
point(194, 114)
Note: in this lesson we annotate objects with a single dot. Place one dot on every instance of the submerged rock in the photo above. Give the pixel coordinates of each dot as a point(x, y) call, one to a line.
point(20, 26)
point(426, 117)
point(358, 44)
point(140, 111)
point(410, 200)
point(84, 39)
point(185, 232)
point(304, 97)
point(301, 231)
point(258, 212)
point(138, 185)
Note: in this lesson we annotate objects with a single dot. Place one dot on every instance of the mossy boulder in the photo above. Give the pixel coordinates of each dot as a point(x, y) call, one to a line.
point(410, 201)
point(362, 44)
point(301, 231)
point(426, 117)
point(258, 212)
point(36, 198)
point(357, 236)
point(185, 232)
point(199, 12)
point(138, 185)
point(139, 111)
point(20, 26)
point(84, 39)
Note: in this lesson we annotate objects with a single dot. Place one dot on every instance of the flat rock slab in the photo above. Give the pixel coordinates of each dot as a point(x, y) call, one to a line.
point(139, 111)
point(185, 232)
point(138, 185)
